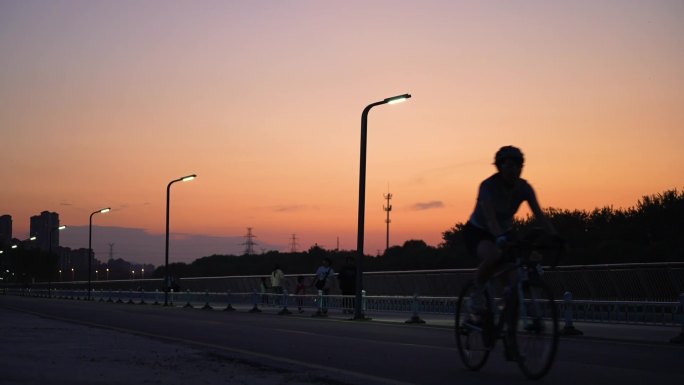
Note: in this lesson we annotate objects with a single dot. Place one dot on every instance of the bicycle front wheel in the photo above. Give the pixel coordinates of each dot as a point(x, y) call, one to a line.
point(536, 332)
point(472, 340)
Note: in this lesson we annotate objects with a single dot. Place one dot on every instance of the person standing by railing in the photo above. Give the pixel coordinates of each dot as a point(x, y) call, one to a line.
point(321, 281)
point(277, 277)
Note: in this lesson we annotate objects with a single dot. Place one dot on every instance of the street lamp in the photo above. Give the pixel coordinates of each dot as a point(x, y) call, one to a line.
point(90, 243)
point(166, 251)
point(142, 273)
point(97, 275)
point(358, 314)
point(107, 274)
point(132, 274)
point(60, 275)
point(52, 230)
point(73, 275)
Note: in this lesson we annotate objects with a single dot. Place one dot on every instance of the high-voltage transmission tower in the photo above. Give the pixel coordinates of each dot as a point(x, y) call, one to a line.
point(293, 243)
point(387, 208)
point(249, 244)
point(111, 252)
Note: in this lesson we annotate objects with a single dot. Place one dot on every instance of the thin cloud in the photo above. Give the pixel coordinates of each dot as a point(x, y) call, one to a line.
point(289, 208)
point(428, 205)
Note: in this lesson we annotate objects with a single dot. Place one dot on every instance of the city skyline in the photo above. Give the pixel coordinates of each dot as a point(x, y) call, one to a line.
point(103, 104)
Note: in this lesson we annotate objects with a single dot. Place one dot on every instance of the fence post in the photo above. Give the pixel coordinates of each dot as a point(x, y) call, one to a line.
point(255, 300)
point(187, 297)
point(680, 338)
point(229, 307)
point(156, 297)
point(415, 319)
point(284, 311)
point(569, 329)
point(142, 297)
point(206, 299)
point(364, 301)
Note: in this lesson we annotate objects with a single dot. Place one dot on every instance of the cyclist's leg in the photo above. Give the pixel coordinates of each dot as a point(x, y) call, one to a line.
point(489, 255)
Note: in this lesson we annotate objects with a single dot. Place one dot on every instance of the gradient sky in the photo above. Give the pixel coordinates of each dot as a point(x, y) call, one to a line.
point(102, 103)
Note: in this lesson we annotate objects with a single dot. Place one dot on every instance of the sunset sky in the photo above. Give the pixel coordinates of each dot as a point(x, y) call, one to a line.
point(102, 103)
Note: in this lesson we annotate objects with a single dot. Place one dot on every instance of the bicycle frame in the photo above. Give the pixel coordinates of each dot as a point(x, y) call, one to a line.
point(522, 275)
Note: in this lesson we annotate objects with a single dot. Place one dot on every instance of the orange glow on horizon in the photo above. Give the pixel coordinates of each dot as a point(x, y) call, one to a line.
point(266, 109)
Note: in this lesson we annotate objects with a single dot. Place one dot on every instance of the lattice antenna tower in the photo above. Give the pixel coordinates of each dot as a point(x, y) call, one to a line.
point(293, 243)
point(111, 251)
point(387, 209)
point(249, 243)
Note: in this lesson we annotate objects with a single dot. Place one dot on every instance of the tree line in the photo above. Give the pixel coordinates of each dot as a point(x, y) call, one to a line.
point(651, 231)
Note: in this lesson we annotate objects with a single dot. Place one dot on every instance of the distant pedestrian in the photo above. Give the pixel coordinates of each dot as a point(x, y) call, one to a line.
point(263, 288)
point(300, 290)
point(324, 274)
point(347, 280)
point(277, 277)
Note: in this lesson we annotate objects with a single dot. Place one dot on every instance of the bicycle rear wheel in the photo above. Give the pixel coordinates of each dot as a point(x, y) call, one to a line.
point(536, 332)
point(472, 340)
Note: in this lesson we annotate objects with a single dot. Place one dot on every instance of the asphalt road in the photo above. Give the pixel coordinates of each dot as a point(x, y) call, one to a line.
point(357, 352)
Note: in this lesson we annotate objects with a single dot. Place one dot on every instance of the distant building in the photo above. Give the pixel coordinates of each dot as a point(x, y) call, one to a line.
point(5, 230)
point(76, 259)
point(41, 226)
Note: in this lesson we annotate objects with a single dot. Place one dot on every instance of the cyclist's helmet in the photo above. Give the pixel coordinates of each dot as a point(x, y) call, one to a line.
point(508, 152)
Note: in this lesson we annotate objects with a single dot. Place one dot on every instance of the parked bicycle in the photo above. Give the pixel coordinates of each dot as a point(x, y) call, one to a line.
point(520, 310)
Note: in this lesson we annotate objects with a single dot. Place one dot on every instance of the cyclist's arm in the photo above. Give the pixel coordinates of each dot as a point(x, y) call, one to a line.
point(539, 214)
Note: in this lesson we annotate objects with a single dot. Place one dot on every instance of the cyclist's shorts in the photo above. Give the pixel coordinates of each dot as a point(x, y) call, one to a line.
point(473, 235)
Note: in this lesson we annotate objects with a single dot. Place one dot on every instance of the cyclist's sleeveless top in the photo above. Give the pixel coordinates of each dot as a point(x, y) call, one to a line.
point(506, 201)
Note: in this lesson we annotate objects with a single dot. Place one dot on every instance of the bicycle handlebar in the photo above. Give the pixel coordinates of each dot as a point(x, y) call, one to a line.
point(526, 247)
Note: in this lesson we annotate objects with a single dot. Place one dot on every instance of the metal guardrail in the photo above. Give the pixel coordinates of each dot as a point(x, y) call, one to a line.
point(647, 282)
point(623, 312)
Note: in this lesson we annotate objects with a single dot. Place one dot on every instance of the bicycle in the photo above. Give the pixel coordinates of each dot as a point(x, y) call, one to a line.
point(524, 316)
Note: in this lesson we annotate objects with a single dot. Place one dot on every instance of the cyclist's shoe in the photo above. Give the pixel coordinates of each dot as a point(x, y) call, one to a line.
point(476, 320)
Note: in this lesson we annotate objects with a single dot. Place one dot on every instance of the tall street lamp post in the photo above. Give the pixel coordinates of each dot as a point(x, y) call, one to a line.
point(52, 230)
point(167, 283)
point(358, 311)
point(90, 244)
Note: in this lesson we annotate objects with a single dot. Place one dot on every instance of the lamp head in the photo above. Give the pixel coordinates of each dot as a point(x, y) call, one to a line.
point(397, 99)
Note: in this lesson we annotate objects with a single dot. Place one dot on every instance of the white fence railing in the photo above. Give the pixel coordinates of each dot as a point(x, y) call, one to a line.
point(625, 312)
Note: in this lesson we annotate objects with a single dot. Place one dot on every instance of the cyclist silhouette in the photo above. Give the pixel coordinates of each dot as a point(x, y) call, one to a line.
point(489, 228)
